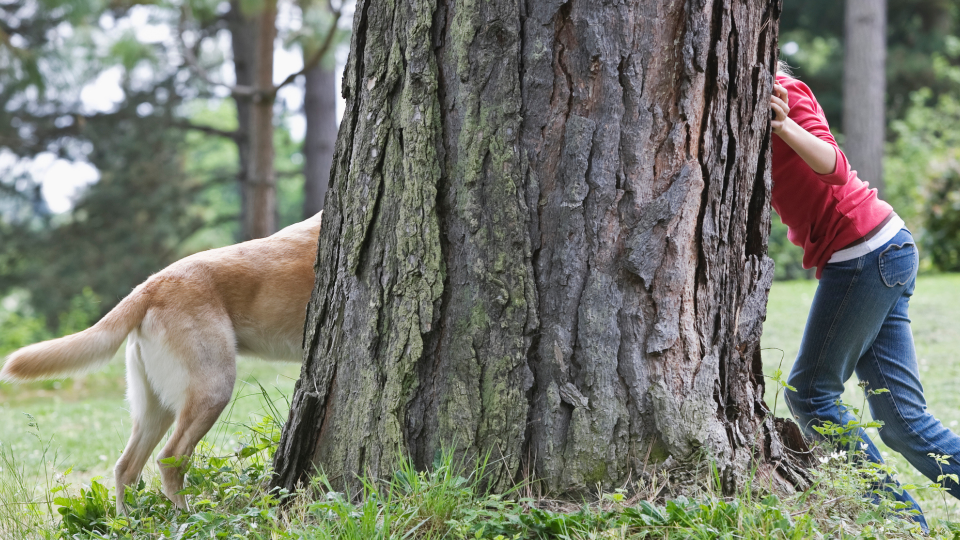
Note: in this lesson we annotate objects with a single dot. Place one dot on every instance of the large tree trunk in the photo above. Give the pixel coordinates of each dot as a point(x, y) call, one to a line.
point(320, 110)
point(545, 240)
point(864, 87)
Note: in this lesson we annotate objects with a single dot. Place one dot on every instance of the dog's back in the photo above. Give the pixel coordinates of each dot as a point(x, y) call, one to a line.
point(262, 286)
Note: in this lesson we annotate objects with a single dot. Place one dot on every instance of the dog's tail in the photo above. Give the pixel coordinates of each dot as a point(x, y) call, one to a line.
point(80, 352)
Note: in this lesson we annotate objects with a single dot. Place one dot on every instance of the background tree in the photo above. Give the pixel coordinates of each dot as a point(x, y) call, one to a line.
point(545, 241)
point(320, 112)
point(864, 85)
point(243, 41)
point(254, 34)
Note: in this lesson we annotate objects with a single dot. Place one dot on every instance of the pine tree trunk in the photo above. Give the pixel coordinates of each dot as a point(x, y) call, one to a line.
point(546, 241)
point(320, 110)
point(864, 87)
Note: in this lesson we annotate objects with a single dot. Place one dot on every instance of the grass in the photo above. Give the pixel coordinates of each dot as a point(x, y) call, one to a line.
point(83, 425)
point(935, 315)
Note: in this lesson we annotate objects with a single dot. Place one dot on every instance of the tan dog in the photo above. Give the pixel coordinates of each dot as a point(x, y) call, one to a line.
point(184, 327)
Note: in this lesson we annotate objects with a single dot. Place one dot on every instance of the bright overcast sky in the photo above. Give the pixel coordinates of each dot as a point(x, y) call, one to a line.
point(62, 179)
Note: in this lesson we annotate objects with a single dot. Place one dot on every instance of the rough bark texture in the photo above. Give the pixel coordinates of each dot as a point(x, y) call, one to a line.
point(864, 87)
point(320, 110)
point(545, 240)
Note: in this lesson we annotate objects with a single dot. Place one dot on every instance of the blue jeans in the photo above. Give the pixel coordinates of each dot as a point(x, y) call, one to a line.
point(858, 322)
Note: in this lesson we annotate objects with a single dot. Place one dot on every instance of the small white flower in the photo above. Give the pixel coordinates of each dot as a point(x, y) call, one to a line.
point(863, 446)
point(824, 459)
point(103, 457)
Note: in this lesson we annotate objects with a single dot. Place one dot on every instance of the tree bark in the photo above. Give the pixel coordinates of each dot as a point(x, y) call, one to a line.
point(320, 110)
point(864, 87)
point(545, 241)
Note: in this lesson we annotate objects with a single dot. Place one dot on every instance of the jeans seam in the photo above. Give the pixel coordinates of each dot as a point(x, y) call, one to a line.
point(833, 325)
point(899, 413)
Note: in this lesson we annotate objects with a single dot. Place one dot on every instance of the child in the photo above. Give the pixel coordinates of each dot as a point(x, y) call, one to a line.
point(866, 262)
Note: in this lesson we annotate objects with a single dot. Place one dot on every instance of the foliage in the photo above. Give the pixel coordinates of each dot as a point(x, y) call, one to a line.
point(19, 326)
point(923, 169)
point(86, 512)
point(125, 227)
point(942, 237)
point(917, 31)
point(130, 222)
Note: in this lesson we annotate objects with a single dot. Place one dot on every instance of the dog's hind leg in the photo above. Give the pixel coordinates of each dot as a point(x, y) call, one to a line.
point(151, 419)
point(196, 418)
point(209, 359)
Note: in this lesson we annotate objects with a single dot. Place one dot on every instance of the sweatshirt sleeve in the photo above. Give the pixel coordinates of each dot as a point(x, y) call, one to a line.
point(806, 112)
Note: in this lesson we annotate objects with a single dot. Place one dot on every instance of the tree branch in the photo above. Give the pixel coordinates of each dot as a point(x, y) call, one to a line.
point(191, 59)
point(5, 33)
point(317, 55)
point(287, 174)
point(186, 124)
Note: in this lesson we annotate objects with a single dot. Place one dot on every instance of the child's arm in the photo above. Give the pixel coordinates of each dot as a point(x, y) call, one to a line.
point(820, 155)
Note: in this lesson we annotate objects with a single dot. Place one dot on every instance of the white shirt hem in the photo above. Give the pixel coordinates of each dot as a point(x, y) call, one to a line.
point(879, 240)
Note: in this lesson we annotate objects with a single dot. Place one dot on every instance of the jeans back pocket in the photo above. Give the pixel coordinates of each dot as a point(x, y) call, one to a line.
point(898, 264)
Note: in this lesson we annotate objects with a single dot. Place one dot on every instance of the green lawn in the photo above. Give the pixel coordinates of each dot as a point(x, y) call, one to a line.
point(935, 312)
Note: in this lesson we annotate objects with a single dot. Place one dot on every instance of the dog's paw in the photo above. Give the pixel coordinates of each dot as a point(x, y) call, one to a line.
point(179, 500)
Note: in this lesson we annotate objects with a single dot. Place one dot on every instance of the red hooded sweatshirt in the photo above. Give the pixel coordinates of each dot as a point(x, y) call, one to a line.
point(823, 212)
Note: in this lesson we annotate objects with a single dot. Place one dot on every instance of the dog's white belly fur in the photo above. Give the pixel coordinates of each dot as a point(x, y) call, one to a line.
point(166, 373)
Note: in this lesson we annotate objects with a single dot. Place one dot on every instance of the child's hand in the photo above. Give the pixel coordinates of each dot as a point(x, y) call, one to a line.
point(779, 107)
